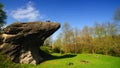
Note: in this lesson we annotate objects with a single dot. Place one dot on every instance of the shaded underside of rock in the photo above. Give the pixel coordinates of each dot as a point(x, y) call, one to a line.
point(21, 41)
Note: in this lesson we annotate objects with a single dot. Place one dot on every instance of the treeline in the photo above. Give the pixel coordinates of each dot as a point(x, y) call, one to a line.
point(101, 38)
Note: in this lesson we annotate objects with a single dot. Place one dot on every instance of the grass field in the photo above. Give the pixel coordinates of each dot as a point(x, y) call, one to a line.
point(78, 61)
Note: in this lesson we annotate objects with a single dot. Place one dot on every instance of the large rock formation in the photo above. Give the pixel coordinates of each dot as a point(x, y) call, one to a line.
point(21, 41)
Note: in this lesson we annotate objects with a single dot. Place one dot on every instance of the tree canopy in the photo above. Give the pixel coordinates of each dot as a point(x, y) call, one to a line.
point(2, 16)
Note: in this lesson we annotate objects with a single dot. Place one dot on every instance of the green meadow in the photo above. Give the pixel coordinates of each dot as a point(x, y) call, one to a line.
point(69, 61)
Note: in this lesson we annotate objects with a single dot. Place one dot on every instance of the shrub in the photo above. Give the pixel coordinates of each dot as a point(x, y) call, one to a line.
point(56, 49)
point(115, 51)
point(45, 49)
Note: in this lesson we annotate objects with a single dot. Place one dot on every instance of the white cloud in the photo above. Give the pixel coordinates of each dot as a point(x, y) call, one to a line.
point(29, 12)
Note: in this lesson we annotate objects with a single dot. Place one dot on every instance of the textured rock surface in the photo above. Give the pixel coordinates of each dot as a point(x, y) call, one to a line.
point(21, 41)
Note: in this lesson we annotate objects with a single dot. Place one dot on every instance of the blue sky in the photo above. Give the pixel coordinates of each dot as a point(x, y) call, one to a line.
point(77, 13)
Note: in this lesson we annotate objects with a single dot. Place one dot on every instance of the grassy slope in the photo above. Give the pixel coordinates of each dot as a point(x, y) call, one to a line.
point(93, 61)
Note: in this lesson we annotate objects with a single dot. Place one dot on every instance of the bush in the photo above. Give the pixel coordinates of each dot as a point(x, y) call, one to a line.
point(115, 51)
point(56, 50)
point(46, 49)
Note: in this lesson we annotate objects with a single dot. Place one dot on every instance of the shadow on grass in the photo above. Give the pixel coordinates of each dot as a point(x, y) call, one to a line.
point(47, 56)
point(63, 56)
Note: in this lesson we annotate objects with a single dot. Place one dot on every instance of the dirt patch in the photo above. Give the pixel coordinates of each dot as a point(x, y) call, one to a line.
point(70, 64)
point(84, 61)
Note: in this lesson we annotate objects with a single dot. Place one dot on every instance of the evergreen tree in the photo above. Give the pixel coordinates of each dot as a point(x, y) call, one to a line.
point(2, 16)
